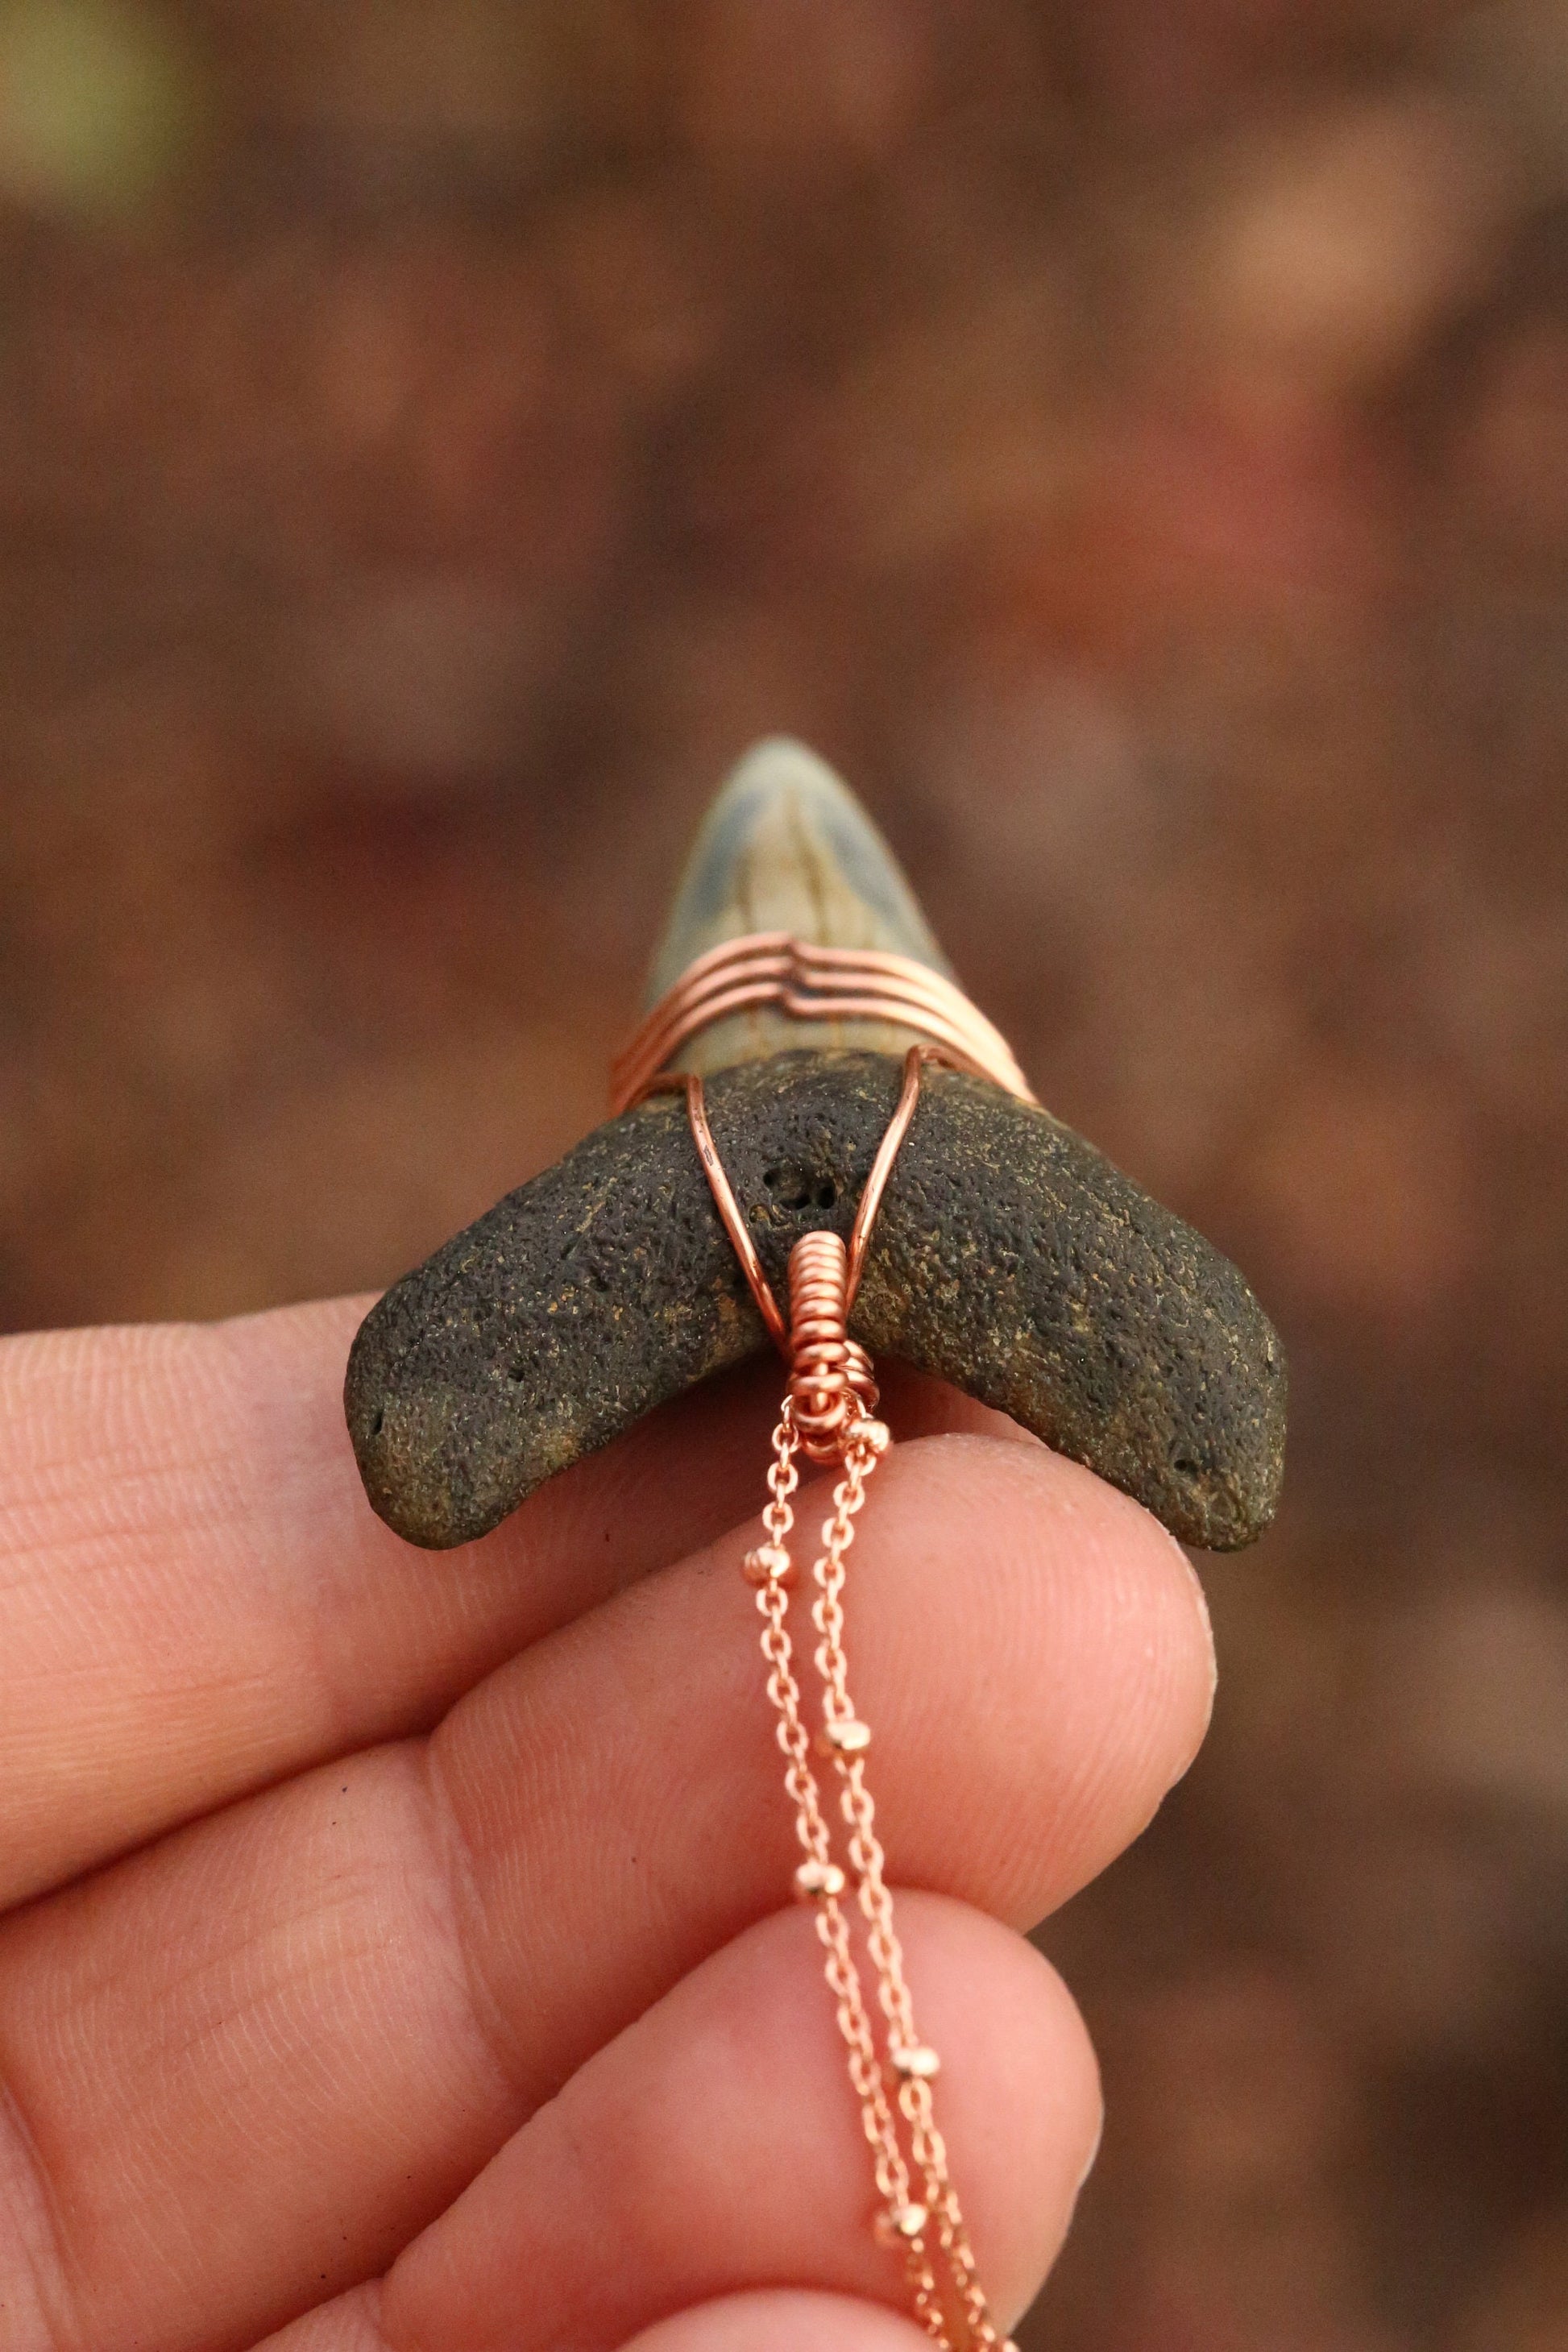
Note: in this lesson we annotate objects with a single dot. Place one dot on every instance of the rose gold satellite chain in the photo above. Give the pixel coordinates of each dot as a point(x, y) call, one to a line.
point(828, 1416)
point(926, 2222)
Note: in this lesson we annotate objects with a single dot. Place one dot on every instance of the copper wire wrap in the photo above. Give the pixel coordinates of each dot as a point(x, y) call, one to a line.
point(773, 969)
point(830, 1382)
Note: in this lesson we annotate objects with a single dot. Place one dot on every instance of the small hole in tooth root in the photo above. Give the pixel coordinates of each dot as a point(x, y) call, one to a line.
point(800, 1188)
point(376, 1427)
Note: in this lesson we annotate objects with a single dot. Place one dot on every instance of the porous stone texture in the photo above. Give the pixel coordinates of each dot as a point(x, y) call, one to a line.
point(1010, 1257)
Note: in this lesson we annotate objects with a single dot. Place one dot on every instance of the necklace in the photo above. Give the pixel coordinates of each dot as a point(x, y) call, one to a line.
point(828, 1415)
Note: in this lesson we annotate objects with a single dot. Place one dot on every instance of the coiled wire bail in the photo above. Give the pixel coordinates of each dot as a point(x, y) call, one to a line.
point(831, 1386)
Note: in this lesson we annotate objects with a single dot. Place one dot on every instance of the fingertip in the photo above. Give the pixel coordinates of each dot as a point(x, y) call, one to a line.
point(1098, 1616)
point(782, 2319)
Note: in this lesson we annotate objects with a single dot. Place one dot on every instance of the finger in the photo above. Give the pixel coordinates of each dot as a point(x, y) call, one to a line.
point(196, 1597)
point(422, 1952)
point(349, 2323)
point(776, 2319)
point(782, 2319)
point(715, 2147)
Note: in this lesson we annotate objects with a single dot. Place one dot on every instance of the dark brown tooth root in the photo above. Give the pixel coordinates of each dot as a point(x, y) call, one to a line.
point(1011, 1259)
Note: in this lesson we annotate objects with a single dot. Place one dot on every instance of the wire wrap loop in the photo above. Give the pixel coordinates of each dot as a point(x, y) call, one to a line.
point(831, 1385)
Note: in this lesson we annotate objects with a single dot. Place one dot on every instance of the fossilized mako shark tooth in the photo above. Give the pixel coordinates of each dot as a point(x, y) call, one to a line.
point(1010, 1257)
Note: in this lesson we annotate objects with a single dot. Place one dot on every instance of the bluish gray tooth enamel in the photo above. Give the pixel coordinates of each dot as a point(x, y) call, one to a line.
point(786, 847)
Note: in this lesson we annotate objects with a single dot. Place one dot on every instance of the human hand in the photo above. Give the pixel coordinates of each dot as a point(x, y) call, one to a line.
point(398, 1956)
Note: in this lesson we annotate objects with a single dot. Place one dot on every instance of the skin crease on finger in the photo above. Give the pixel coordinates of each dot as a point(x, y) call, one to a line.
point(340, 1997)
point(714, 2146)
point(196, 1597)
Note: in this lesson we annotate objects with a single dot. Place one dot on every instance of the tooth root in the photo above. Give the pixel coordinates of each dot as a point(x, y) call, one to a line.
point(787, 847)
point(608, 1285)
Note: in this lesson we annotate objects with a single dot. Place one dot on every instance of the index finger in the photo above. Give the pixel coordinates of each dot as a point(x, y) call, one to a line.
point(196, 1597)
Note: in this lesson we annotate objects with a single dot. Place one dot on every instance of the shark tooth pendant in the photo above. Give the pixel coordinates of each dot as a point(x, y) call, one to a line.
point(815, 1129)
point(1012, 1259)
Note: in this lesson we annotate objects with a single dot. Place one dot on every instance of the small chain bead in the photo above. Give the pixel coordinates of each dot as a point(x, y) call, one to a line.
point(898, 2223)
point(769, 1564)
point(916, 2061)
point(814, 1879)
point(844, 1736)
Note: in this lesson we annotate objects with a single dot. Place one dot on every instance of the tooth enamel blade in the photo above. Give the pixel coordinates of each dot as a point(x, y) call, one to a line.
point(786, 847)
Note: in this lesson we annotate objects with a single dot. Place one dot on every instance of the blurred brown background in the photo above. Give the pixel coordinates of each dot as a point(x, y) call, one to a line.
point(1130, 438)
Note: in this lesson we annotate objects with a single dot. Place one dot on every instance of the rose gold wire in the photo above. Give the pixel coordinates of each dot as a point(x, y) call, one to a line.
point(689, 1084)
point(808, 982)
point(882, 1165)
